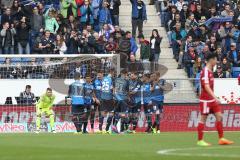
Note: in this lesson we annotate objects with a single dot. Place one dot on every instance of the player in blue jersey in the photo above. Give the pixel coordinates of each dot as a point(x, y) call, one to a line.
point(157, 96)
point(121, 96)
point(89, 101)
point(135, 100)
point(97, 83)
point(76, 93)
point(107, 102)
point(146, 100)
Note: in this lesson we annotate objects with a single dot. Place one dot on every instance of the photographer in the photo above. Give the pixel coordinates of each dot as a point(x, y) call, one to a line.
point(27, 97)
point(86, 41)
point(47, 44)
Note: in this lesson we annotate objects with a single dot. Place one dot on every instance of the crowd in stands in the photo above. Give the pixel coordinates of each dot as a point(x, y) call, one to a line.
point(197, 28)
point(66, 26)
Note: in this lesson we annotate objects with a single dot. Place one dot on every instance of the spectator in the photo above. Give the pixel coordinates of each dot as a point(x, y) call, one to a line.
point(106, 31)
point(16, 11)
point(179, 5)
point(134, 46)
point(37, 24)
point(50, 22)
point(144, 52)
point(199, 12)
point(226, 68)
point(79, 4)
point(27, 97)
point(7, 3)
point(85, 43)
point(6, 17)
point(163, 9)
point(23, 30)
point(99, 46)
point(110, 46)
point(60, 46)
point(197, 67)
point(7, 34)
point(178, 36)
point(155, 41)
point(87, 14)
point(183, 50)
point(139, 14)
point(234, 56)
point(72, 24)
point(218, 73)
point(189, 60)
point(47, 44)
point(184, 13)
point(134, 66)
point(69, 7)
point(226, 34)
point(72, 43)
point(114, 11)
point(96, 5)
point(226, 11)
point(104, 15)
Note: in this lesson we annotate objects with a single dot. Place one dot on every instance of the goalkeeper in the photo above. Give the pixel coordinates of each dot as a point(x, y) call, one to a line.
point(44, 106)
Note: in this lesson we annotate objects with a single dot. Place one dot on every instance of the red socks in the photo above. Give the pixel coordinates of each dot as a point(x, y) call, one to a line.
point(219, 127)
point(200, 130)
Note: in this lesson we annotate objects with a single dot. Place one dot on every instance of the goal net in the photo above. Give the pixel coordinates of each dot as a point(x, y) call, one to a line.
point(17, 108)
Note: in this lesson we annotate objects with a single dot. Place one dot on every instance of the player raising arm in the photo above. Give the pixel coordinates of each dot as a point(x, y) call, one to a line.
point(44, 106)
point(209, 103)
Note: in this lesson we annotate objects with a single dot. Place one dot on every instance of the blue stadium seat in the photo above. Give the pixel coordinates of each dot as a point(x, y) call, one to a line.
point(16, 60)
point(26, 60)
point(235, 72)
point(2, 60)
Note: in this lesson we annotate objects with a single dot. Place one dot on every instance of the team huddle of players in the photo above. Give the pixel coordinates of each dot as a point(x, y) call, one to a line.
point(117, 98)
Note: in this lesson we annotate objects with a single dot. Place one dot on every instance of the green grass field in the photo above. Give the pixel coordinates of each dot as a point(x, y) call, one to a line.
point(173, 146)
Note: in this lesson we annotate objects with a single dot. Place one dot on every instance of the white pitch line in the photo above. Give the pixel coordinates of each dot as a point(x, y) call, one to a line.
point(173, 152)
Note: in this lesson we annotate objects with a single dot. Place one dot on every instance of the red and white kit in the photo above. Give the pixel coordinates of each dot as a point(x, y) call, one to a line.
point(207, 103)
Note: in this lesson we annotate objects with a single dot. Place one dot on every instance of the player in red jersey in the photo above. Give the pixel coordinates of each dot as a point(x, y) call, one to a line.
point(209, 103)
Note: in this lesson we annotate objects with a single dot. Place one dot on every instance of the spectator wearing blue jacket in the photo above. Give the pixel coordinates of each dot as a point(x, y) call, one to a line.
point(87, 15)
point(96, 5)
point(104, 15)
point(139, 15)
point(134, 46)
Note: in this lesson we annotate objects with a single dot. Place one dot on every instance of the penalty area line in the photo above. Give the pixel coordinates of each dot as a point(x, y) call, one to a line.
point(175, 152)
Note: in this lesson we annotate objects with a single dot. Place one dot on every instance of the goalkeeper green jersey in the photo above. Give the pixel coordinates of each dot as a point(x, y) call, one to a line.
point(45, 101)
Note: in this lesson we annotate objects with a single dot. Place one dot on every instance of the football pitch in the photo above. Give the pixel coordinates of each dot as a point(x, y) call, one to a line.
point(164, 146)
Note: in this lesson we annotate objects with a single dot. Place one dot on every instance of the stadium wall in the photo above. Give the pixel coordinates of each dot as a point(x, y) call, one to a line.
point(175, 118)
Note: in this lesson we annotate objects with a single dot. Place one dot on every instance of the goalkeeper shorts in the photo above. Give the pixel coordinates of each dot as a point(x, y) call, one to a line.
point(45, 111)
